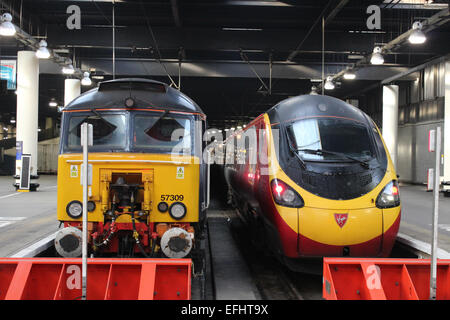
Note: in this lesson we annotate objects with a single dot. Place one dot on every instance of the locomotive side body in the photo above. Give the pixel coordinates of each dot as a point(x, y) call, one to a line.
point(314, 206)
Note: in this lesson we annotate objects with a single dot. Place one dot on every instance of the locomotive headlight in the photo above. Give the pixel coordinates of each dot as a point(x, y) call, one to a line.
point(284, 195)
point(74, 209)
point(389, 197)
point(177, 210)
point(163, 206)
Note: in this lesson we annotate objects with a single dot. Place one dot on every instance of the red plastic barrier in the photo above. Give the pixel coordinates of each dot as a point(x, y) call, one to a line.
point(383, 279)
point(108, 279)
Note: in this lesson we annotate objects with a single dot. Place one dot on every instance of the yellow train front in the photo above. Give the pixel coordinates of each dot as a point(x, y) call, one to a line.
point(312, 177)
point(147, 193)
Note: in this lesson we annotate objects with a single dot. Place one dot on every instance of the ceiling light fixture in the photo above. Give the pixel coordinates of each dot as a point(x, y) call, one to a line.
point(417, 36)
point(329, 85)
point(42, 52)
point(6, 27)
point(377, 57)
point(86, 81)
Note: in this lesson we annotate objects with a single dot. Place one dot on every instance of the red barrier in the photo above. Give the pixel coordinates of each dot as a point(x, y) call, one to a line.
point(108, 279)
point(383, 279)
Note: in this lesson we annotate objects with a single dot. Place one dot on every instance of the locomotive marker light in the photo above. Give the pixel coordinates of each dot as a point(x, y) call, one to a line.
point(86, 140)
point(435, 139)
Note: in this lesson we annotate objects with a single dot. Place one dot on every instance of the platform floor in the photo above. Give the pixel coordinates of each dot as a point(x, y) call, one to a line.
point(416, 219)
point(26, 217)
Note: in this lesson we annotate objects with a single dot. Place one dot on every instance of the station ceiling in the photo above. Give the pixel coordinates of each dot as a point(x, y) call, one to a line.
point(225, 46)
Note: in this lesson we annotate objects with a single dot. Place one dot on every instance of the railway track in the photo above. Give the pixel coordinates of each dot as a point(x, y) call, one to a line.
point(273, 280)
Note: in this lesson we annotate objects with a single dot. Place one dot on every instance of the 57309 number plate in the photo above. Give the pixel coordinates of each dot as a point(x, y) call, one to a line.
point(172, 197)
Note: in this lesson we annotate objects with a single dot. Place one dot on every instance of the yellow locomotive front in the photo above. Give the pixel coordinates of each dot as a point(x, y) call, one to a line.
point(147, 195)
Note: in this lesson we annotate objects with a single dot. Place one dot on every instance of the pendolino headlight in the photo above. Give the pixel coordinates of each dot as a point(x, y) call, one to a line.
point(74, 209)
point(284, 195)
point(177, 210)
point(389, 197)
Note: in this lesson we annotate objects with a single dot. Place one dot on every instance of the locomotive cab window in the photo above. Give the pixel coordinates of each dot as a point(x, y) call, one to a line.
point(164, 133)
point(331, 139)
point(109, 131)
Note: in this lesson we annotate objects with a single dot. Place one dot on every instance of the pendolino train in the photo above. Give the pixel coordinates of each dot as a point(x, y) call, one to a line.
point(147, 193)
point(312, 177)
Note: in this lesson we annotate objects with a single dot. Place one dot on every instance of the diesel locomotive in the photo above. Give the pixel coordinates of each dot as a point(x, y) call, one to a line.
point(147, 178)
point(312, 177)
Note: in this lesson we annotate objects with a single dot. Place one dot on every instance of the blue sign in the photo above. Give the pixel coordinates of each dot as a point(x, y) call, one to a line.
point(19, 150)
point(8, 72)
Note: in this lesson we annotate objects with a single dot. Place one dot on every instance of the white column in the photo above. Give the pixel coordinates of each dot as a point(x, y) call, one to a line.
point(27, 106)
point(72, 89)
point(390, 120)
point(447, 125)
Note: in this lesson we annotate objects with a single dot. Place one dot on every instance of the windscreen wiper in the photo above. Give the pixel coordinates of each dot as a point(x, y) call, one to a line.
point(339, 154)
point(110, 125)
point(159, 118)
point(303, 163)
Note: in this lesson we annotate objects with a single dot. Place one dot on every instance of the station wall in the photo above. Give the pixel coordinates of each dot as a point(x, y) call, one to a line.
point(413, 158)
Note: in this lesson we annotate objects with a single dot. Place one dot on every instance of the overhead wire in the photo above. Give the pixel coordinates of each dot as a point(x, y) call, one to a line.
point(149, 27)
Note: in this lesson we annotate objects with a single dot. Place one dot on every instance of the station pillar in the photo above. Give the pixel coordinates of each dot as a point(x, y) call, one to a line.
point(72, 89)
point(390, 120)
point(447, 129)
point(27, 112)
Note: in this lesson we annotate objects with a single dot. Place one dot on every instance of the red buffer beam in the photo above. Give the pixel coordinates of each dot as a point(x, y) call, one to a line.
point(108, 279)
point(383, 279)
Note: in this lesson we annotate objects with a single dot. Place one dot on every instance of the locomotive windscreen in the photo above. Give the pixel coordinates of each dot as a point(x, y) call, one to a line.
point(165, 134)
point(109, 131)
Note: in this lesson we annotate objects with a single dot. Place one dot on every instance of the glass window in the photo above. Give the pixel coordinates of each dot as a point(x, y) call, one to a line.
point(167, 134)
point(109, 131)
point(342, 136)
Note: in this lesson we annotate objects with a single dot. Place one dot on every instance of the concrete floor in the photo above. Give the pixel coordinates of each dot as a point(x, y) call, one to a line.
point(26, 217)
point(417, 212)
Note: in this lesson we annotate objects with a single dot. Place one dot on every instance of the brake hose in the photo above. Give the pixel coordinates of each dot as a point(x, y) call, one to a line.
point(135, 233)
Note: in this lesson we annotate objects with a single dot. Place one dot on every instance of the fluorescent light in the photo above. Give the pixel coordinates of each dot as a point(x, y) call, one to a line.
point(6, 27)
point(377, 57)
point(349, 75)
point(240, 29)
point(53, 103)
point(42, 52)
point(68, 69)
point(417, 36)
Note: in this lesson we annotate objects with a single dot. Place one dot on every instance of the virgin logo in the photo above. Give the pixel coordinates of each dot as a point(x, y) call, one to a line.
point(341, 218)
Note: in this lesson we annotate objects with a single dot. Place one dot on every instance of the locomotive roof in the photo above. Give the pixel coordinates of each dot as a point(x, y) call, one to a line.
point(147, 94)
point(307, 106)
